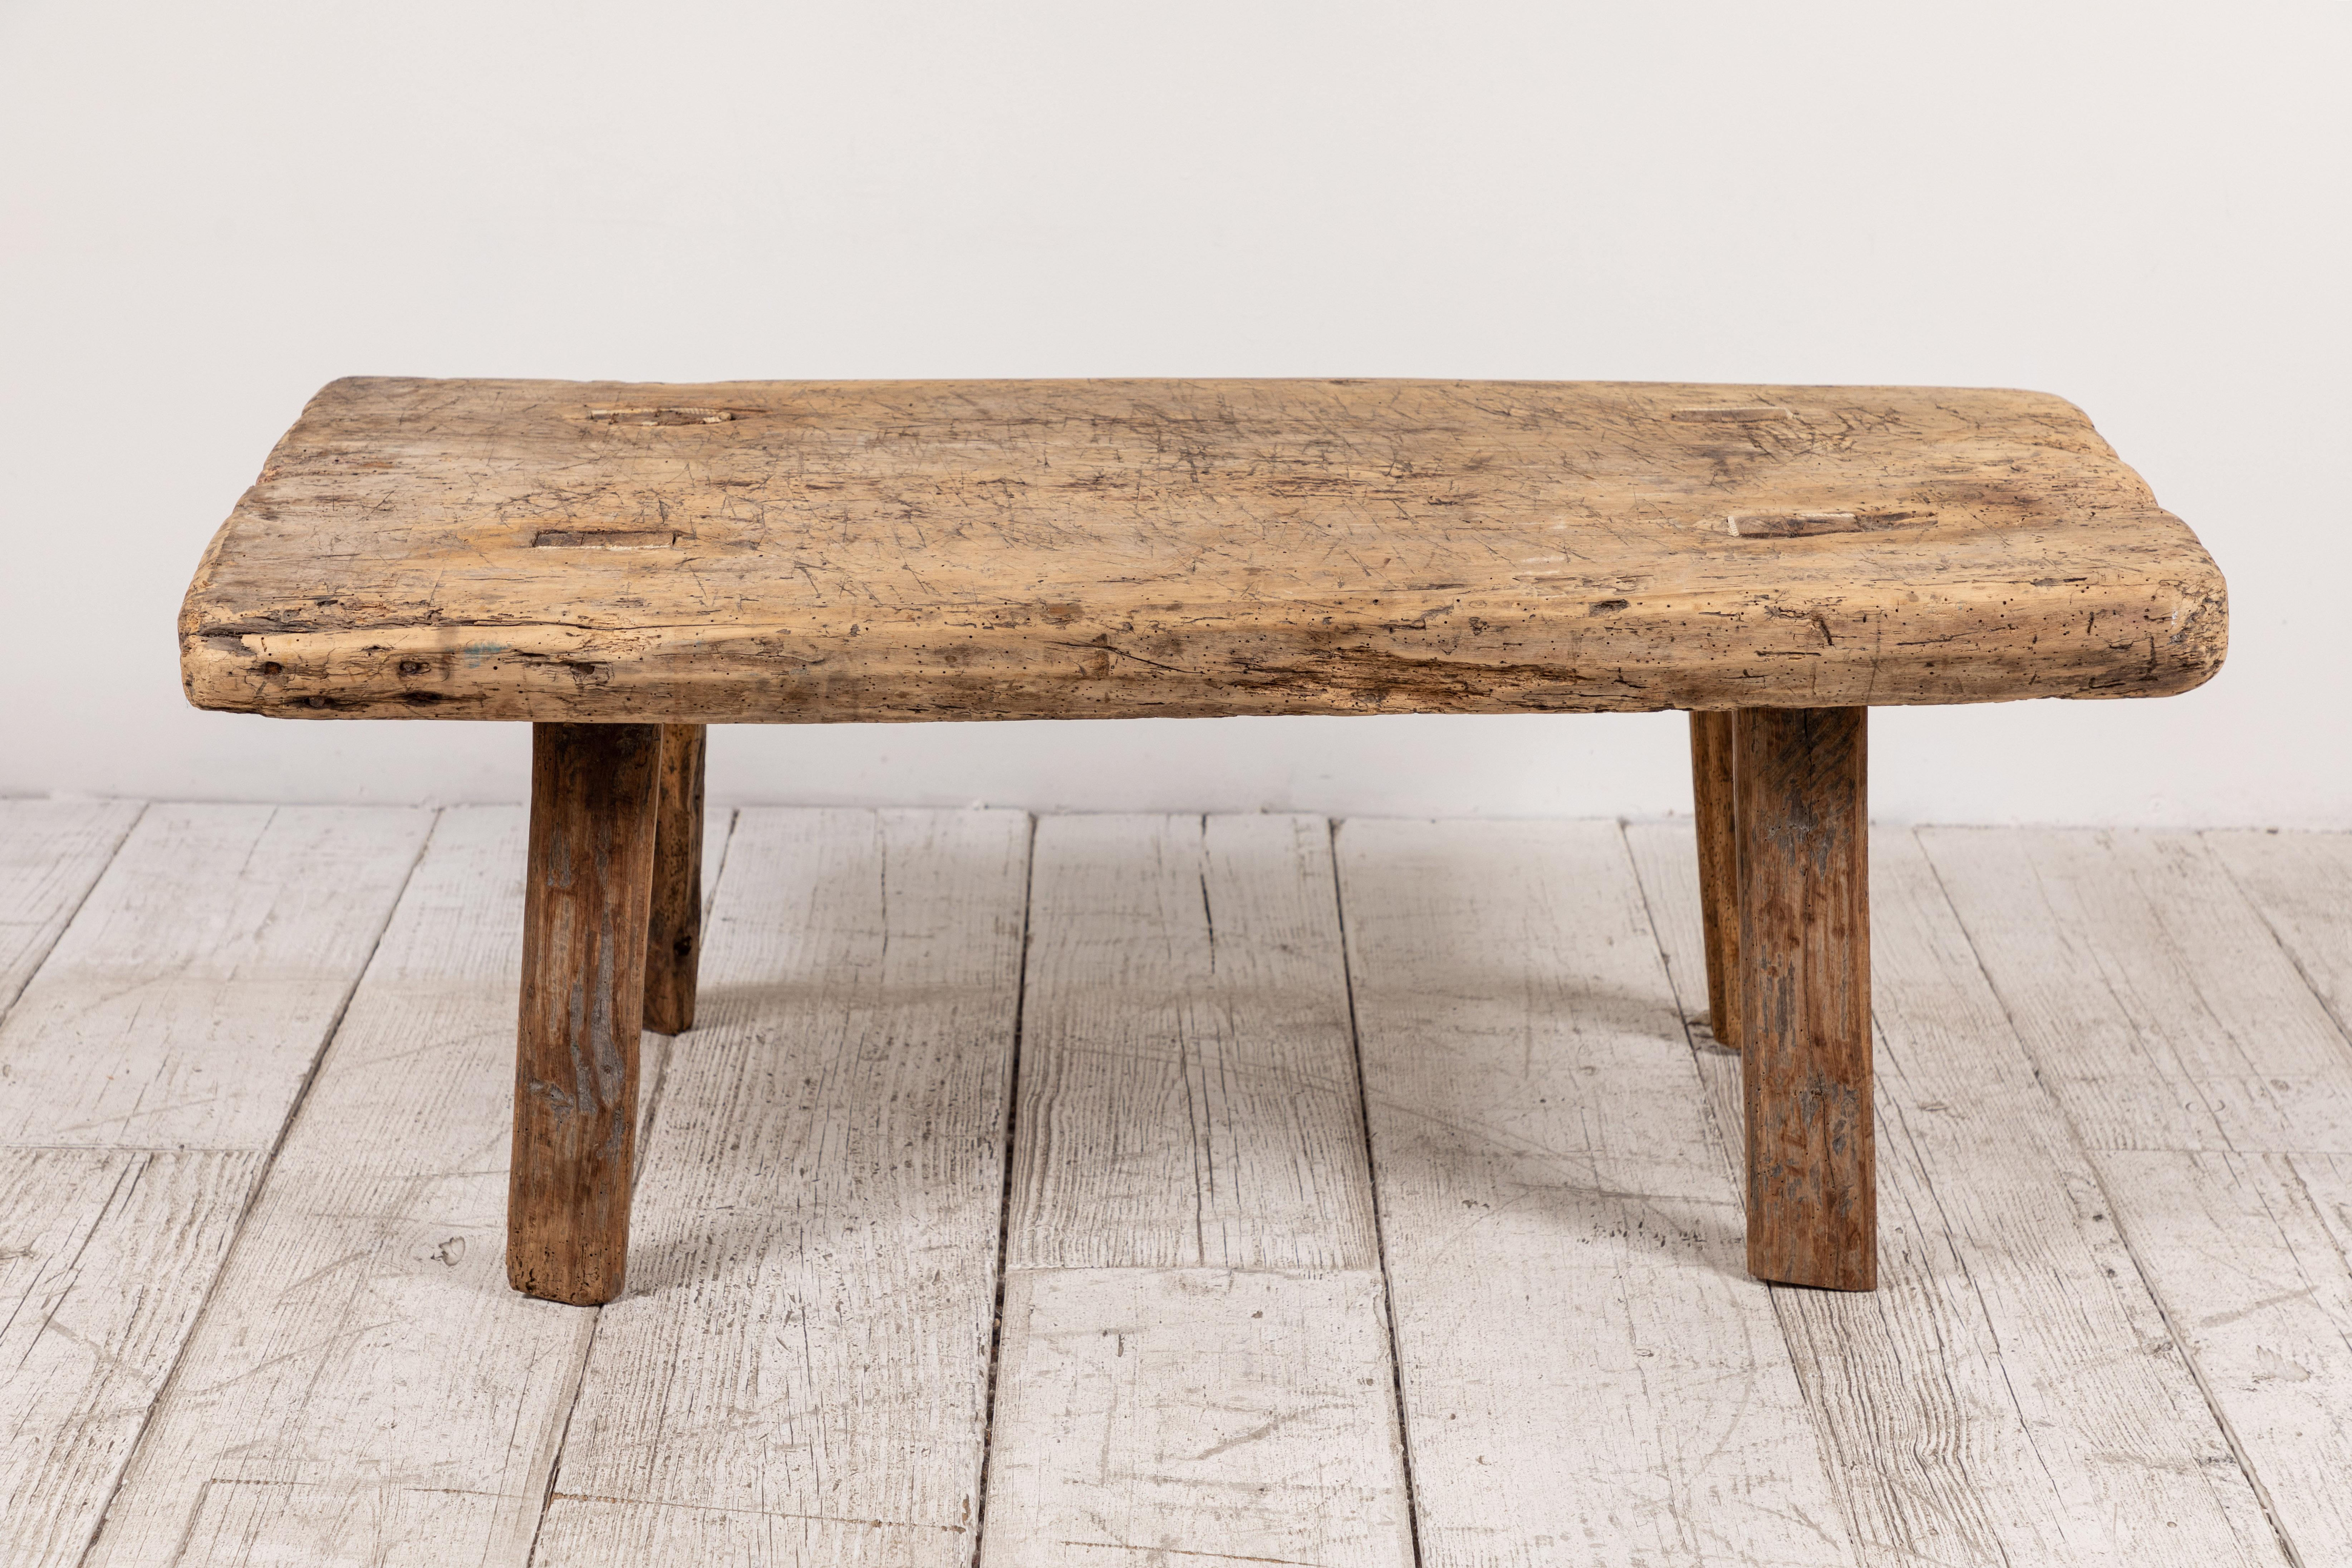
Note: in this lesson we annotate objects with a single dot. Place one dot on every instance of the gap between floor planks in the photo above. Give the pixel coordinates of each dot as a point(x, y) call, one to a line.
point(2061, 1424)
point(181, 1009)
point(230, 1520)
point(385, 1207)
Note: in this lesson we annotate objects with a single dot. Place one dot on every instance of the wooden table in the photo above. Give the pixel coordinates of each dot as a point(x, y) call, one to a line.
point(622, 565)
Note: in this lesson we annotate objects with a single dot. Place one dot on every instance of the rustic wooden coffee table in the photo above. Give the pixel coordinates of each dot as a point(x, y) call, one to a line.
point(622, 565)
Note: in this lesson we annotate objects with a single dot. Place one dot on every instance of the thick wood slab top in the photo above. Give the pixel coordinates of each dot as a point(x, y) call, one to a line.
point(802, 551)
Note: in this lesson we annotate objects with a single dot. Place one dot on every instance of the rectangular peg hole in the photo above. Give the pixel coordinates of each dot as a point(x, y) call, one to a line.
point(1798, 524)
point(1791, 524)
point(604, 538)
point(679, 413)
point(1735, 414)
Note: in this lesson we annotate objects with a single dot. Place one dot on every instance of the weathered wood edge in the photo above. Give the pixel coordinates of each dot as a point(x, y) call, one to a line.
point(687, 674)
point(561, 672)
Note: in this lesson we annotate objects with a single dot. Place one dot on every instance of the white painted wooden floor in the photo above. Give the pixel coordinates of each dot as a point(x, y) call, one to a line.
point(1161, 1192)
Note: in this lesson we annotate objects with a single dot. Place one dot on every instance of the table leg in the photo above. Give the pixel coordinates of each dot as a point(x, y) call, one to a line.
point(1804, 950)
point(1712, 778)
point(674, 936)
point(585, 904)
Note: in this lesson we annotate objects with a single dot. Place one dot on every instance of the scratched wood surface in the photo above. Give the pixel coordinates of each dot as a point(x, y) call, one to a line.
point(801, 551)
point(2113, 1095)
point(1588, 1373)
point(363, 1387)
point(2213, 1089)
point(798, 1374)
point(2011, 1394)
point(146, 1071)
point(1193, 1307)
point(51, 851)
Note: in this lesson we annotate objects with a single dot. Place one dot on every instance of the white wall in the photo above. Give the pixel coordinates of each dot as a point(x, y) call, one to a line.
point(209, 210)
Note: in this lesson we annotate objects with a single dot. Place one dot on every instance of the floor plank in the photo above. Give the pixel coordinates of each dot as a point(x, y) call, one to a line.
point(1195, 1357)
point(107, 1253)
point(1166, 1416)
point(296, 1524)
point(1589, 1374)
point(1187, 1081)
point(2115, 1098)
point(363, 1373)
point(2301, 884)
point(191, 997)
point(2010, 1395)
point(798, 1371)
point(2214, 1092)
point(172, 1024)
point(51, 851)
point(364, 1387)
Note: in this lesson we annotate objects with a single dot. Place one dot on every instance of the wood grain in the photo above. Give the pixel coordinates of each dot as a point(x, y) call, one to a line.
point(1148, 1415)
point(1715, 804)
point(363, 1387)
point(818, 552)
point(1804, 987)
point(357, 1389)
point(145, 1074)
point(798, 1373)
point(189, 999)
point(2157, 1001)
point(1589, 1374)
point(2214, 1091)
point(2297, 882)
point(2011, 1394)
point(105, 1256)
point(587, 899)
point(1195, 1347)
point(249, 1524)
point(51, 851)
point(1187, 1081)
point(674, 932)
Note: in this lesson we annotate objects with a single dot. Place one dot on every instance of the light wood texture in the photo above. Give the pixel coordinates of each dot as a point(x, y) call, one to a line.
point(799, 1372)
point(1588, 1373)
point(2215, 1093)
point(145, 1075)
point(1715, 801)
point(1195, 1349)
point(247, 1523)
point(1804, 994)
point(674, 932)
point(2300, 885)
point(187, 1002)
point(2010, 1395)
point(2159, 1005)
point(51, 851)
point(363, 1387)
point(1179, 1416)
point(588, 895)
point(801, 551)
point(105, 1254)
point(1188, 1079)
point(2036, 1380)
